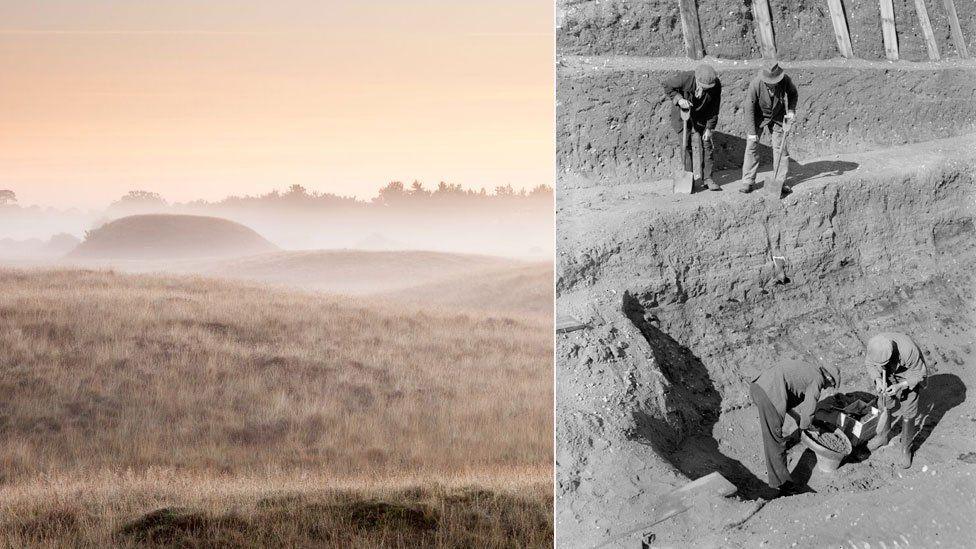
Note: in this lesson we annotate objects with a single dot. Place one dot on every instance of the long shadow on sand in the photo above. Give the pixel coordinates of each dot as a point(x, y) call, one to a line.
point(941, 393)
point(729, 150)
point(693, 406)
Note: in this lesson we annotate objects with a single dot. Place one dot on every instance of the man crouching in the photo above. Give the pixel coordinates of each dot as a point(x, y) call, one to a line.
point(792, 387)
point(896, 365)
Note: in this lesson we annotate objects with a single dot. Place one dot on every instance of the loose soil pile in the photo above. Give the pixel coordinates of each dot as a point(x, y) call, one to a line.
point(830, 441)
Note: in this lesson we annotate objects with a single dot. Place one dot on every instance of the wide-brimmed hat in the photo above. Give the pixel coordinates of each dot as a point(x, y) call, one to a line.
point(879, 352)
point(771, 72)
point(706, 76)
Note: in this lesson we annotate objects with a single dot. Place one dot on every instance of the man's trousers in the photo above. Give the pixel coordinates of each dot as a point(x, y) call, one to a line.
point(774, 444)
point(696, 153)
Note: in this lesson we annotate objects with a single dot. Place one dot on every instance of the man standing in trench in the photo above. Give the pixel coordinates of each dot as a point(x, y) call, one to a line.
point(896, 365)
point(770, 104)
point(791, 387)
point(700, 93)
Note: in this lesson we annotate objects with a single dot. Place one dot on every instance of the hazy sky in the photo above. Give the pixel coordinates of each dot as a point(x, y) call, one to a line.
point(205, 98)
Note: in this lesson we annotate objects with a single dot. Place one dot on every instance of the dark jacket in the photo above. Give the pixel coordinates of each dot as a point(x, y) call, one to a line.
point(704, 109)
point(908, 364)
point(794, 385)
point(763, 106)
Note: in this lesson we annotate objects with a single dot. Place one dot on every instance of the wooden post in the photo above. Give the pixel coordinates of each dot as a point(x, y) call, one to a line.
point(764, 28)
point(923, 21)
point(841, 32)
point(691, 29)
point(888, 30)
point(957, 38)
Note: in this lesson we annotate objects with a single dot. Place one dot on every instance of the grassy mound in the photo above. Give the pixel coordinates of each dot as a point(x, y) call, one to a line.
point(170, 237)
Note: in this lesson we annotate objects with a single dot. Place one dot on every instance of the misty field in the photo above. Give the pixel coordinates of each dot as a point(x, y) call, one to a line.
point(139, 409)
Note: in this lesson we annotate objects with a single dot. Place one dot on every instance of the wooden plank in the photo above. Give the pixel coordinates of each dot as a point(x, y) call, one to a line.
point(566, 324)
point(923, 21)
point(691, 29)
point(888, 30)
point(764, 28)
point(712, 483)
point(841, 31)
point(957, 37)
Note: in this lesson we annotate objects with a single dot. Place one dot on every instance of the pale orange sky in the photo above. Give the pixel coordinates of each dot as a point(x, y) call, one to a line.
point(205, 98)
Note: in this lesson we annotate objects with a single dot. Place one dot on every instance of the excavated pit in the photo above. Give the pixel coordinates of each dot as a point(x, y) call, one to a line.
point(685, 310)
point(683, 304)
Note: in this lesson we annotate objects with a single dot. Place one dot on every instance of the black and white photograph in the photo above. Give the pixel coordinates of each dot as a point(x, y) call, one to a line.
point(764, 289)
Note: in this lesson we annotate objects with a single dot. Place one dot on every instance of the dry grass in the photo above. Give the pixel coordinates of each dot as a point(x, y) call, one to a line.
point(520, 289)
point(164, 508)
point(107, 374)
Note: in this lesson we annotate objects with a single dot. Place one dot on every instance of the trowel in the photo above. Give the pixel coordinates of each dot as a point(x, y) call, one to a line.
point(685, 180)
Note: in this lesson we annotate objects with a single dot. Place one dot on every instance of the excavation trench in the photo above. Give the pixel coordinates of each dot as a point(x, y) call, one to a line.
point(685, 309)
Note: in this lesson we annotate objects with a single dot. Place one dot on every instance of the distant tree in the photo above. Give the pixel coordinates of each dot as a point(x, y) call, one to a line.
point(417, 189)
point(144, 198)
point(147, 196)
point(541, 190)
point(394, 192)
point(297, 190)
point(138, 202)
point(507, 190)
point(7, 197)
point(95, 227)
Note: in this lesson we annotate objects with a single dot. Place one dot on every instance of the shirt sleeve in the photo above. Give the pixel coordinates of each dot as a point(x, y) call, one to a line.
point(713, 119)
point(807, 408)
point(749, 109)
point(673, 87)
point(791, 95)
point(915, 373)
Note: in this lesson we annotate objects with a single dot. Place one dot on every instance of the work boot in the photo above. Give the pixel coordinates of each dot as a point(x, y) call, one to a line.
point(790, 488)
point(907, 437)
point(747, 188)
point(712, 185)
point(882, 436)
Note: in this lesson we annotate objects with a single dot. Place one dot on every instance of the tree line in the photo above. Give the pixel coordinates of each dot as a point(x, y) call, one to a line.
point(396, 193)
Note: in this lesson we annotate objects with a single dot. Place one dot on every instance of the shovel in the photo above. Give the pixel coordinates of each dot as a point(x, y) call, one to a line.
point(775, 185)
point(883, 405)
point(684, 182)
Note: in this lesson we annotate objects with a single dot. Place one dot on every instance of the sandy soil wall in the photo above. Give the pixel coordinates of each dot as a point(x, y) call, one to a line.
point(705, 278)
point(613, 124)
point(802, 27)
